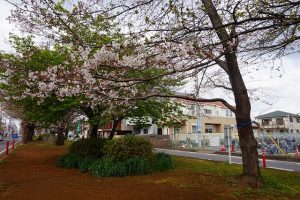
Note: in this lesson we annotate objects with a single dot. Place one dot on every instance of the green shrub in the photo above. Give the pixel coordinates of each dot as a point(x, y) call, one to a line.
point(88, 147)
point(86, 163)
point(61, 161)
point(69, 161)
point(48, 138)
point(37, 137)
point(68, 142)
point(161, 162)
point(127, 147)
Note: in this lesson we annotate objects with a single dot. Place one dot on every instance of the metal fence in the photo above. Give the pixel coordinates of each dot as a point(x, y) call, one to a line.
point(276, 143)
point(279, 143)
point(207, 141)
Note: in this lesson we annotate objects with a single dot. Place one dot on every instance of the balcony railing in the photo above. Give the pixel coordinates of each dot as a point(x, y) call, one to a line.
point(279, 123)
point(272, 124)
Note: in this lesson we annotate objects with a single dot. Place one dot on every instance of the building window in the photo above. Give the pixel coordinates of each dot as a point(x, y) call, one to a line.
point(209, 129)
point(297, 130)
point(228, 113)
point(145, 131)
point(279, 121)
point(194, 129)
point(207, 111)
point(291, 119)
point(298, 120)
point(177, 130)
point(266, 122)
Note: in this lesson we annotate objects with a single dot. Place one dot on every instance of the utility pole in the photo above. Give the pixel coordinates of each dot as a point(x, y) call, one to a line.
point(197, 88)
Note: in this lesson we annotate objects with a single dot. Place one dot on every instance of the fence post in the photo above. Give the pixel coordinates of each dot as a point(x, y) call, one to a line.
point(7, 146)
point(233, 148)
point(264, 157)
point(13, 144)
point(296, 152)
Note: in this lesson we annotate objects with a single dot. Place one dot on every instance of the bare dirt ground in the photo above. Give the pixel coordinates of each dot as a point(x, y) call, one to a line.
point(30, 173)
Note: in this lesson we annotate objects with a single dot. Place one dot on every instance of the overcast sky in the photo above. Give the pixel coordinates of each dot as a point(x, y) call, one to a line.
point(283, 86)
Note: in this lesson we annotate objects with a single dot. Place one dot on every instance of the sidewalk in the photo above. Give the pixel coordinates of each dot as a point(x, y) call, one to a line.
point(3, 146)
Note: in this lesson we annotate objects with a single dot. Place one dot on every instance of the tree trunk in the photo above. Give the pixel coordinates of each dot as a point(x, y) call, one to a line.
point(114, 127)
point(60, 138)
point(251, 172)
point(27, 131)
point(24, 133)
point(113, 130)
point(94, 130)
point(31, 128)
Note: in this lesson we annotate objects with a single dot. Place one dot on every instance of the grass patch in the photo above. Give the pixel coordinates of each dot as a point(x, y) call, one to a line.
point(47, 145)
point(2, 162)
point(278, 184)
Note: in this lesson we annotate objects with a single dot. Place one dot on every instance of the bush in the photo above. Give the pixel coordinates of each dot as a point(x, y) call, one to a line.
point(161, 162)
point(61, 162)
point(121, 157)
point(68, 142)
point(86, 163)
point(37, 137)
point(88, 147)
point(122, 149)
point(69, 161)
point(48, 138)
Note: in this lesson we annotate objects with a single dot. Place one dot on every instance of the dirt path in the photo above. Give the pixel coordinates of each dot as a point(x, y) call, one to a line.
point(30, 174)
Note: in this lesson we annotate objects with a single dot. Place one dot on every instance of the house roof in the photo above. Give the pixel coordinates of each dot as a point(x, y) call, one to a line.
point(277, 113)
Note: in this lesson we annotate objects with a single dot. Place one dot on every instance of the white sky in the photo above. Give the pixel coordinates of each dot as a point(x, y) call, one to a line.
point(285, 91)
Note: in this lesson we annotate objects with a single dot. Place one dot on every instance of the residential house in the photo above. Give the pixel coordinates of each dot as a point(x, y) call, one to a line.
point(216, 121)
point(215, 118)
point(128, 126)
point(279, 122)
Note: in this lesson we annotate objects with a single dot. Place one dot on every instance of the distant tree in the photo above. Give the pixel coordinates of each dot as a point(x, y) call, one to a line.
point(15, 69)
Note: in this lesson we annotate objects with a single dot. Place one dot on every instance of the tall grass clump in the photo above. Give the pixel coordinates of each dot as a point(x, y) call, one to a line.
point(162, 162)
point(86, 163)
point(69, 161)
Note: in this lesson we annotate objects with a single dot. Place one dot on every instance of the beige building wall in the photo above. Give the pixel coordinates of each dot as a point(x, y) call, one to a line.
point(218, 123)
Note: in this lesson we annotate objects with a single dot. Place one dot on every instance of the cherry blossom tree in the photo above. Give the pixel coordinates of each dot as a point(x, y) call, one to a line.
point(163, 39)
point(228, 34)
point(34, 114)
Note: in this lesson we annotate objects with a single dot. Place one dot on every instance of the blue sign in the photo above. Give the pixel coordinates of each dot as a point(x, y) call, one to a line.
point(15, 136)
